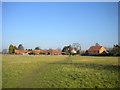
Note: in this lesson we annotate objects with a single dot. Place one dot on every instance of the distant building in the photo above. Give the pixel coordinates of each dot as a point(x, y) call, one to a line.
point(47, 52)
point(23, 52)
point(53, 52)
point(19, 52)
point(56, 52)
point(74, 51)
point(96, 50)
point(37, 52)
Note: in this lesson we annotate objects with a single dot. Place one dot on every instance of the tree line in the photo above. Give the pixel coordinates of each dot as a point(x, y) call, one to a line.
point(20, 47)
point(114, 51)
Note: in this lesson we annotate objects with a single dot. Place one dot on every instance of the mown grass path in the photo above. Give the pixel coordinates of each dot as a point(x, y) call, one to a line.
point(31, 76)
point(60, 72)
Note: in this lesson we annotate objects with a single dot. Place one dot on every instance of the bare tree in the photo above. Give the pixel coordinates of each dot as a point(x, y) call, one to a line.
point(77, 46)
point(59, 49)
point(97, 44)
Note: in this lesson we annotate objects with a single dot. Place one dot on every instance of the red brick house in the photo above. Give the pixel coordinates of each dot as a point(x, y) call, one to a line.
point(96, 50)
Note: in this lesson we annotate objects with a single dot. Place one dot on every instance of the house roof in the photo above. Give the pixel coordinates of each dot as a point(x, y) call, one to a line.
point(49, 50)
point(29, 51)
point(55, 51)
point(73, 49)
point(95, 48)
point(38, 51)
point(18, 51)
point(25, 50)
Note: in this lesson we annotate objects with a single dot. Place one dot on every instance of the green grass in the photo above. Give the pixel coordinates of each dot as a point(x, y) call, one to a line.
point(60, 72)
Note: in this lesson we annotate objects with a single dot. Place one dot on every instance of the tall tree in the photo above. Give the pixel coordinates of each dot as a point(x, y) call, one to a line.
point(116, 50)
point(76, 46)
point(67, 49)
point(20, 47)
point(11, 49)
point(14, 48)
point(59, 49)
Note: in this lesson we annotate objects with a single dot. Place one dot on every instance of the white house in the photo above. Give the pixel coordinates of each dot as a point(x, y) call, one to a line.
point(73, 51)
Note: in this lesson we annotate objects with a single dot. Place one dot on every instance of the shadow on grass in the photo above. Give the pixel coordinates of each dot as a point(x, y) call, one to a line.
point(91, 65)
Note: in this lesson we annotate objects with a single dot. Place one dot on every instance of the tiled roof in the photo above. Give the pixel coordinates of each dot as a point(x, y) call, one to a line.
point(95, 48)
point(54, 51)
point(29, 51)
point(21, 52)
point(25, 50)
point(38, 51)
point(18, 51)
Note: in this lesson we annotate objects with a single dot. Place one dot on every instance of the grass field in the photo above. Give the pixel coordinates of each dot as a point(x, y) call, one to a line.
point(59, 72)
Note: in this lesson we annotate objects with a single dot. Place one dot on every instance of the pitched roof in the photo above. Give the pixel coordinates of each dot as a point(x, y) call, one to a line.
point(95, 48)
point(49, 50)
point(18, 51)
point(55, 51)
point(38, 51)
point(25, 50)
point(29, 51)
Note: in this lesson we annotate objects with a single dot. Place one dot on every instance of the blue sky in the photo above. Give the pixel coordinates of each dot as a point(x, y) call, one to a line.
point(53, 25)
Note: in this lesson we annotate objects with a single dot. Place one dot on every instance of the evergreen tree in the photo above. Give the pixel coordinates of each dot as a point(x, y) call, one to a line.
point(11, 49)
point(78, 51)
point(37, 48)
point(29, 49)
point(116, 50)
